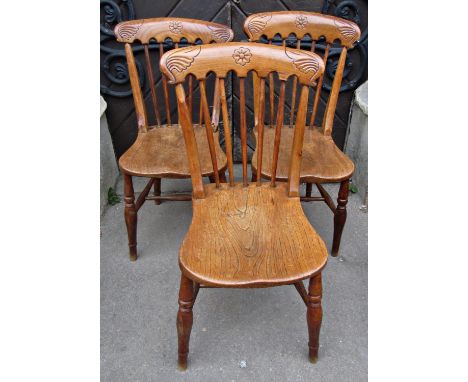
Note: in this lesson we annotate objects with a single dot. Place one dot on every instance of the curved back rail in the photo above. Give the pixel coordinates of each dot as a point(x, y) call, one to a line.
point(317, 27)
point(242, 58)
point(152, 33)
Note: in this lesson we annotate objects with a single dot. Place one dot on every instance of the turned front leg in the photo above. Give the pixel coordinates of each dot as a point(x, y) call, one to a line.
point(185, 319)
point(340, 216)
point(130, 216)
point(314, 315)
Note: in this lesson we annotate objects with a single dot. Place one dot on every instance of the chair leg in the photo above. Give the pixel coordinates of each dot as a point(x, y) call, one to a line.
point(185, 319)
point(157, 190)
point(314, 315)
point(130, 216)
point(222, 177)
point(254, 176)
point(340, 216)
point(308, 190)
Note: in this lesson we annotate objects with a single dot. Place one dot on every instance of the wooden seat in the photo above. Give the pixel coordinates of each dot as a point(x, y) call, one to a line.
point(253, 236)
point(160, 152)
point(322, 160)
point(246, 235)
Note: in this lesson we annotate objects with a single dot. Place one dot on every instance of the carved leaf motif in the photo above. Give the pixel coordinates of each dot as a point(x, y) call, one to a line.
point(220, 34)
point(347, 31)
point(127, 32)
point(182, 59)
point(303, 62)
point(258, 23)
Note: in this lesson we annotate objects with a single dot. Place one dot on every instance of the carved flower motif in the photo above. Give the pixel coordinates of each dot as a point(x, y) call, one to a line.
point(175, 27)
point(301, 21)
point(242, 56)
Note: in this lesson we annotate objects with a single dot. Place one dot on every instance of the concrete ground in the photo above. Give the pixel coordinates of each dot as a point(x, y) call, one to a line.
point(238, 335)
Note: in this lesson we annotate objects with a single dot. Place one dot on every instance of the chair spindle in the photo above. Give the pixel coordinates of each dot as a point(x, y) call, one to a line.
point(227, 131)
point(243, 130)
point(215, 114)
point(271, 86)
point(279, 126)
point(190, 144)
point(261, 130)
point(298, 141)
point(319, 89)
point(154, 98)
point(293, 97)
point(190, 97)
point(165, 89)
point(329, 114)
point(140, 111)
point(209, 131)
point(312, 46)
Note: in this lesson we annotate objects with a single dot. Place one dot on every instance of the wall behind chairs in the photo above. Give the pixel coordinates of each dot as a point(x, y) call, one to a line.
point(115, 86)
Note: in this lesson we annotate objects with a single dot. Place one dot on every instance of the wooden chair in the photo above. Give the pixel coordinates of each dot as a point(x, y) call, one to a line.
point(158, 151)
point(323, 161)
point(246, 235)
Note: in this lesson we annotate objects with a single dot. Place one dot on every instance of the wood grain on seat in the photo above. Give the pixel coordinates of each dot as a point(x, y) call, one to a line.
point(160, 152)
point(250, 236)
point(322, 160)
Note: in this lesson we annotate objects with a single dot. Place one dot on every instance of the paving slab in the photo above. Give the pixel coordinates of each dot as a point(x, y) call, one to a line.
point(238, 334)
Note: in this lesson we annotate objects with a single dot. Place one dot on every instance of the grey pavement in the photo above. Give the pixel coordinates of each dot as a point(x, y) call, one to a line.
point(238, 334)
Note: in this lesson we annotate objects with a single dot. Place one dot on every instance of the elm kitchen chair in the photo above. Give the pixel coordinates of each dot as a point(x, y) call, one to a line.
point(323, 161)
point(246, 234)
point(158, 151)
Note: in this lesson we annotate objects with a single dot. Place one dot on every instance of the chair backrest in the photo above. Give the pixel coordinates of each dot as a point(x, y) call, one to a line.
point(242, 58)
point(315, 28)
point(154, 34)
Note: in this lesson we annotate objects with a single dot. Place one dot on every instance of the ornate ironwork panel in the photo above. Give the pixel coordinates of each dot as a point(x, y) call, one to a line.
point(115, 85)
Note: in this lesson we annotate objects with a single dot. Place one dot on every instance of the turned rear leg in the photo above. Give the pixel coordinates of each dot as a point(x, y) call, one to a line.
point(254, 176)
point(130, 216)
point(314, 315)
point(222, 177)
point(157, 189)
point(340, 216)
point(308, 190)
point(185, 319)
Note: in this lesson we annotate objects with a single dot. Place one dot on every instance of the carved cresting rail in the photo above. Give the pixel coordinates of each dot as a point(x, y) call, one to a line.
point(115, 70)
point(261, 28)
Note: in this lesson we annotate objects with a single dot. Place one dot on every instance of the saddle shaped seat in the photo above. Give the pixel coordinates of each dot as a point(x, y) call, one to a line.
point(160, 152)
point(250, 236)
point(322, 160)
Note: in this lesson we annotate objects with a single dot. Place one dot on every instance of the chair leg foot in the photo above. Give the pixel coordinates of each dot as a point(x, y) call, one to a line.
point(130, 216)
point(254, 176)
point(308, 190)
point(184, 319)
point(340, 216)
point(157, 190)
point(222, 177)
point(314, 315)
